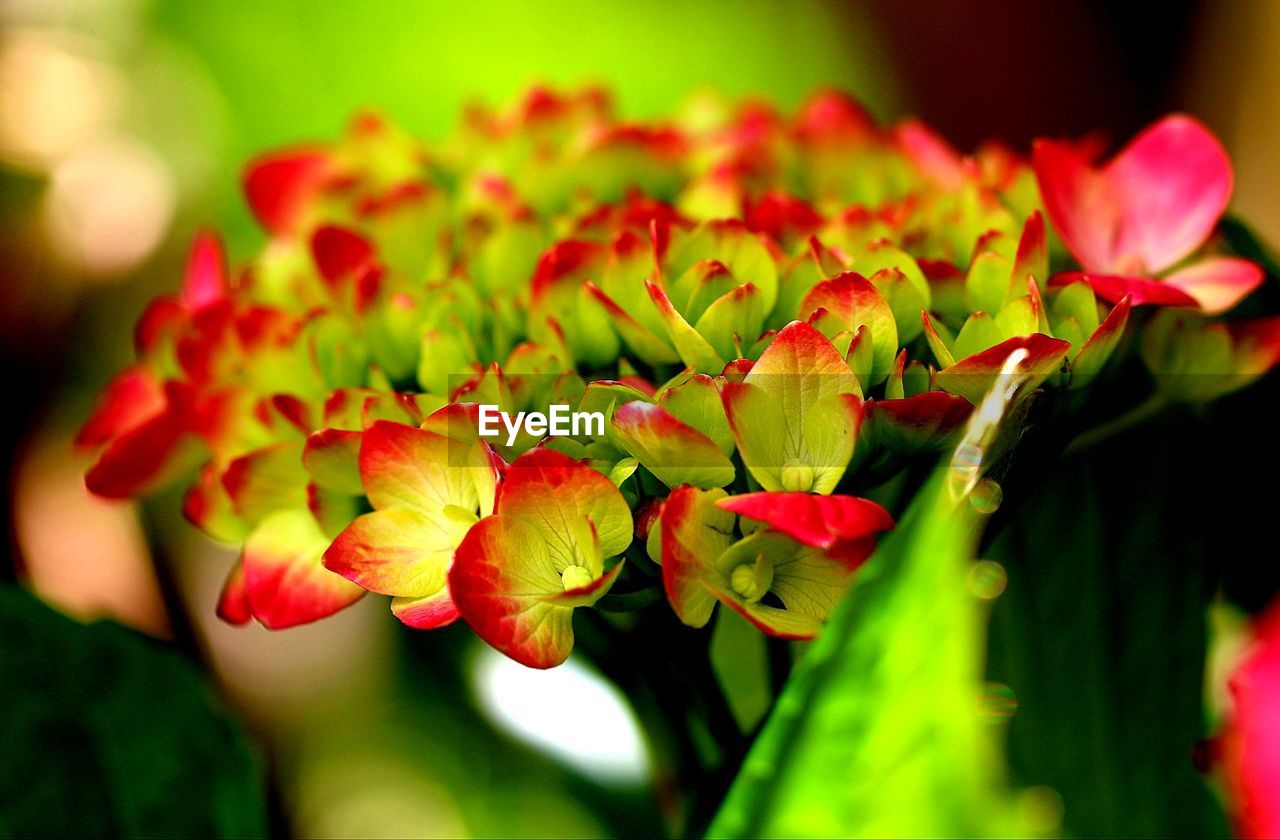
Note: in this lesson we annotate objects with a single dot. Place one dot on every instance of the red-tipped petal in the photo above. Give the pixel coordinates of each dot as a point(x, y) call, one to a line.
point(284, 578)
point(544, 487)
point(674, 452)
point(1098, 348)
point(404, 466)
point(267, 480)
point(209, 508)
point(278, 186)
point(781, 624)
point(427, 613)
point(502, 579)
point(797, 349)
point(694, 533)
point(818, 521)
point(972, 377)
point(130, 399)
point(1257, 344)
point(782, 216)
point(921, 422)
point(144, 456)
point(332, 459)
point(1139, 291)
point(340, 253)
point(1033, 251)
point(398, 551)
point(833, 118)
point(934, 156)
point(233, 602)
point(570, 260)
point(204, 281)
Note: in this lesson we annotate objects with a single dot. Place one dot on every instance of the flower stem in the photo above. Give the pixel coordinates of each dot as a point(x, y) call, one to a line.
point(1131, 418)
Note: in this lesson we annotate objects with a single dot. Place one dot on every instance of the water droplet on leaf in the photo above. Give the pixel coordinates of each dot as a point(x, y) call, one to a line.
point(986, 496)
point(987, 579)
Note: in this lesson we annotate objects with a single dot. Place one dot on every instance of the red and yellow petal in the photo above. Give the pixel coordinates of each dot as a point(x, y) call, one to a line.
point(501, 579)
point(427, 613)
point(673, 451)
point(404, 466)
point(267, 480)
point(399, 551)
point(332, 458)
point(972, 377)
point(285, 582)
point(145, 456)
point(694, 533)
point(918, 423)
point(551, 492)
point(133, 397)
point(801, 363)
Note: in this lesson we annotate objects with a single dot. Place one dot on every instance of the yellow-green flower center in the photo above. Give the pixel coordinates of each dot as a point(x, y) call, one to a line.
point(575, 577)
point(752, 580)
point(797, 476)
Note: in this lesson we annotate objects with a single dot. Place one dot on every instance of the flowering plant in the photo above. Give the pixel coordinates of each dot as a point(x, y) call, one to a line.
point(784, 320)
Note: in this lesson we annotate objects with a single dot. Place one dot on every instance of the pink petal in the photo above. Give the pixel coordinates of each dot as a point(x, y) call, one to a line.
point(932, 154)
point(1080, 203)
point(1251, 743)
point(1173, 182)
point(1217, 283)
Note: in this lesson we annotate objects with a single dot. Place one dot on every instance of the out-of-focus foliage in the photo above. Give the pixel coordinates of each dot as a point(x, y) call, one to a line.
point(107, 733)
point(1101, 636)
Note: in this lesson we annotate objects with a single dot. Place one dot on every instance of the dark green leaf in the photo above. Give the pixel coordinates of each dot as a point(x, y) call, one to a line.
point(108, 733)
point(1101, 634)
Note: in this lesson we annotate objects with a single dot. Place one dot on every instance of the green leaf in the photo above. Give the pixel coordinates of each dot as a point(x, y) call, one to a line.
point(878, 732)
point(108, 733)
point(988, 282)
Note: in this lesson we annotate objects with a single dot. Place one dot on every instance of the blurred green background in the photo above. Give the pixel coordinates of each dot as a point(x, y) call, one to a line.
point(123, 128)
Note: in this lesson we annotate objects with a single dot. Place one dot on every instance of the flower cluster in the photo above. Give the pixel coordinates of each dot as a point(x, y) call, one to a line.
point(770, 310)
